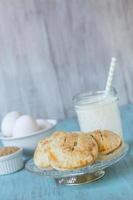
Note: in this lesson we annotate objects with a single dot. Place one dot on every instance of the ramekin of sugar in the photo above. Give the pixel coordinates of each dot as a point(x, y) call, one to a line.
point(11, 160)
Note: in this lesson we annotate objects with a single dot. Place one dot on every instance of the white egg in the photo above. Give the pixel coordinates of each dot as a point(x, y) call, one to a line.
point(25, 126)
point(8, 123)
point(42, 123)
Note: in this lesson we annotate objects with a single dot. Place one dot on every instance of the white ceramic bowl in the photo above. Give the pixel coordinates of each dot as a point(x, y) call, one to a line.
point(28, 143)
point(12, 162)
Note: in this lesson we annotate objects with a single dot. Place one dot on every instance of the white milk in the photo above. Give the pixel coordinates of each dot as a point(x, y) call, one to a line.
point(98, 112)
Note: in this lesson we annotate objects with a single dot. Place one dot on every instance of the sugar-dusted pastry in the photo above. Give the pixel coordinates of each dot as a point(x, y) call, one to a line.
point(72, 150)
point(41, 158)
point(107, 141)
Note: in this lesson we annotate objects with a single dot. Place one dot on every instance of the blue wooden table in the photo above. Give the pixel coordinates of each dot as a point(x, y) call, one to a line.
point(116, 184)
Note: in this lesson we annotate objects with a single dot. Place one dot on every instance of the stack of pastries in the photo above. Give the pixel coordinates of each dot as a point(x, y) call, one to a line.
point(67, 151)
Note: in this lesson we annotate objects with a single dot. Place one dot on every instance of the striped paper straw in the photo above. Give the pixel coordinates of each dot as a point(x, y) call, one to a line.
point(110, 75)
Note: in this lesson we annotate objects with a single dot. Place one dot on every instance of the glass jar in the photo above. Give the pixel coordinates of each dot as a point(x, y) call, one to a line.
point(97, 111)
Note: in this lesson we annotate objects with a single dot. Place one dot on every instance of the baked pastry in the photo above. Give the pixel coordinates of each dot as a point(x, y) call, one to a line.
point(64, 150)
point(41, 158)
point(72, 150)
point(107, 141)
point(41, 155)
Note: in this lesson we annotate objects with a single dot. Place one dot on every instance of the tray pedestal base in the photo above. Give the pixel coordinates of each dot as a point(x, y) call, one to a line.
point(81, 179)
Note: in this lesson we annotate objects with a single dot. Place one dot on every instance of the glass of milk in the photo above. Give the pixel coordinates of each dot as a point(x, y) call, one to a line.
point(97, 111)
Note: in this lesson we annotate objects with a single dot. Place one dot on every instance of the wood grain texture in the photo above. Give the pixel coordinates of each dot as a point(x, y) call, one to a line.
point(53, 49)
point(117, 184)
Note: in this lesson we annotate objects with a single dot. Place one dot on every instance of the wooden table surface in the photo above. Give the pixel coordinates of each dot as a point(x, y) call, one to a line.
point(116, 184)
point(52, 49)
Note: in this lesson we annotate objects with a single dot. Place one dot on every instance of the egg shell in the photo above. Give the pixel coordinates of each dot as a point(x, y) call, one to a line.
point(8, 123)
point(25, 126)
point(43, 124)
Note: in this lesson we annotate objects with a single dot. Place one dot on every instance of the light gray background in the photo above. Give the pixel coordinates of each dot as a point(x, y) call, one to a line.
point(52, 49)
